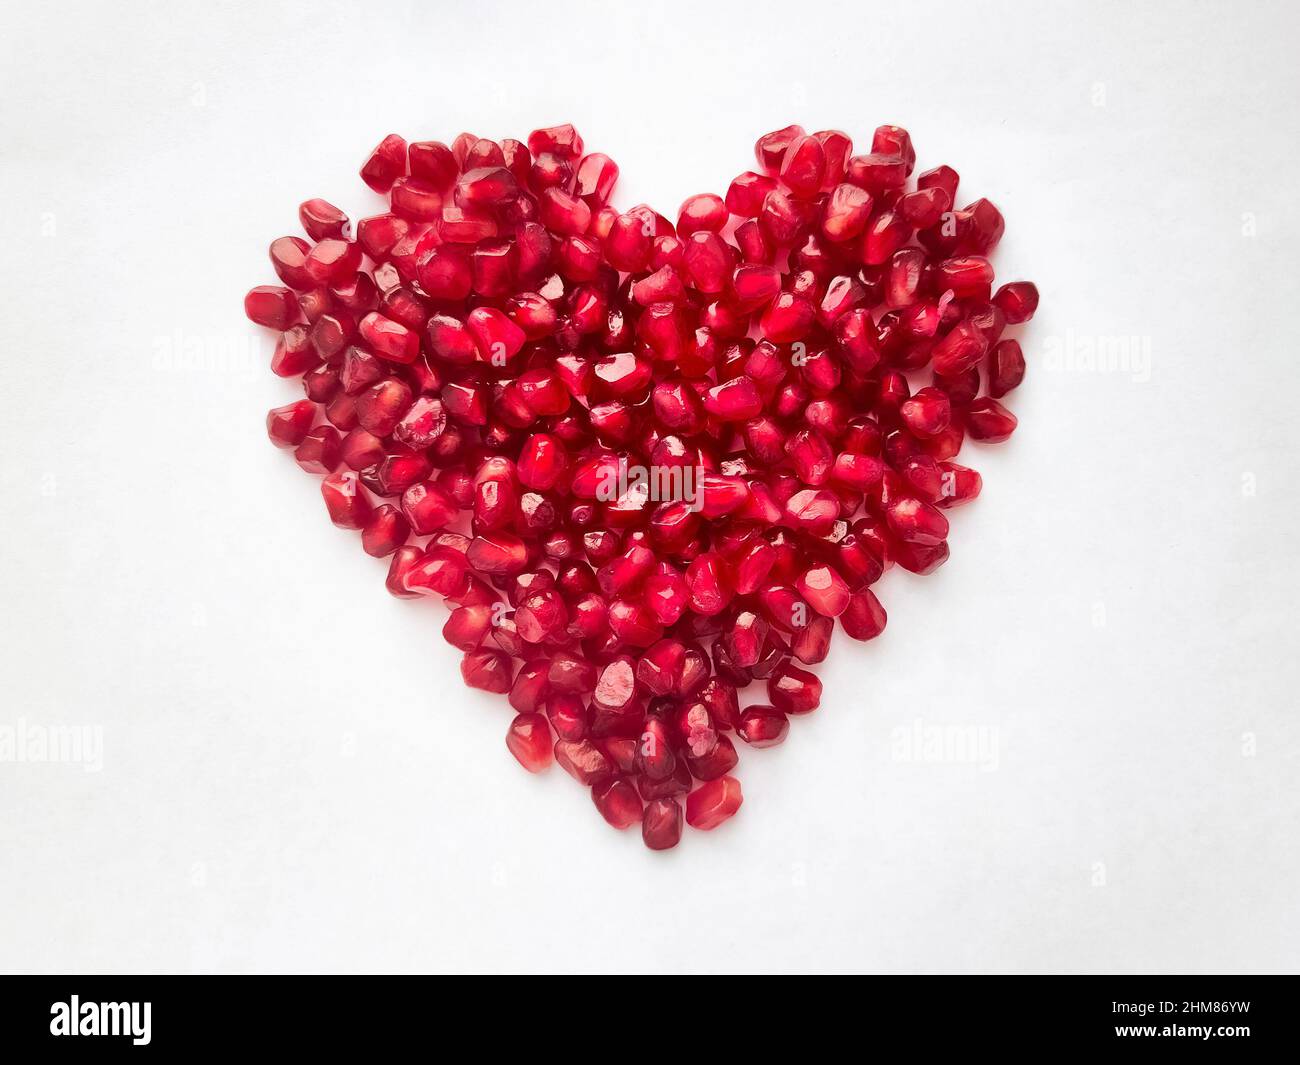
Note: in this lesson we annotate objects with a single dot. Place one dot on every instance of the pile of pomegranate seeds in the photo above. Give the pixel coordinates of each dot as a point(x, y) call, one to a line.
point(646, 463)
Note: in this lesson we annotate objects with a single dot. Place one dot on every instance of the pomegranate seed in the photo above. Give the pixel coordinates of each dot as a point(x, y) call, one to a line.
point(661, 824)
point(272, 306)
point(712, 803)
point(618, 802)
point(864, 619)
point(763, 726)
point(771, 147)
point(1017, 300)
point(288, 426)
point(346, 500)
point(1006, 368)
point(385, 164)
point(488, 671)
point(987, 419)
point(529, 740)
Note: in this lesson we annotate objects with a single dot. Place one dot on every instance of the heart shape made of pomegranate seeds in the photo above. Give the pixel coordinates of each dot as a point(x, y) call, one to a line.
point(647, 464)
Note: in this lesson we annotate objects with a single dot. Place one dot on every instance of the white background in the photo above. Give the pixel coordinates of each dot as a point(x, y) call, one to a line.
point(293, 777)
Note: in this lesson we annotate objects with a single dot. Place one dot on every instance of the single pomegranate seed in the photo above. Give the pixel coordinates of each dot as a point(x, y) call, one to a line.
point(272, 306)
point(987, 419)
point(618, 802)
point(385, 532)
point(385, 164)
point(1017, 300)
point(346, 500)
point(529, 740)
point(1006, 368)
point(320, 450)
point(704, 212)
point(661, 824)
point(771, 147)
point(288, 426)
point(762, 726)
point(864, 619)
point(713, 803)
point(488, 671)
point(583, 761)
point(824, 590)
point(793, 690)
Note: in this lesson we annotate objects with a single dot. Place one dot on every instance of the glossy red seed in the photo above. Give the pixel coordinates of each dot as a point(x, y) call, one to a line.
point(1017, 300)
point(385, 164)
point(763, 726)
point(712, 803)
point(661, 824)
point(273, 306)
point(618, 802)
point(529, 740)
point(288, 426)
point(793, 690)
point(987, 419)
point(1006, 368)
point(771, 147)
point(346, 500)
point(488, 671)
point(864, 618)
point(704, 212)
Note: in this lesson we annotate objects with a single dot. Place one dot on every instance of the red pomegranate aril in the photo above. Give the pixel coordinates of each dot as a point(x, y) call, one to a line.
point(762, 726)
point(803, 167)
point(289, 259)
point(705, 212)
point(346, 500)
point(1006, 368)
point(864, 618)
point(959, 350)
point(385, 164)
point(959, 485)
point(1017, 300)
point(714, 761)
point(733, 401)
point(654, 754)
point(916, 522)
point(793, 690)
point(404, 558)
point(432, 161)
point(987, 419)
point(440, 571)
point(771, 147)
point(428, 508)
point(618, 802)
point(824, 590)
point(529, 740)
point(381, 406)
point(385, 532)
point(488, 671)
point(288, 426)
point(661, 824)
point(467, 626)
point(712, 803)
point(273, 306)
point(320, 450)
point(811, 643)
point(927, 413)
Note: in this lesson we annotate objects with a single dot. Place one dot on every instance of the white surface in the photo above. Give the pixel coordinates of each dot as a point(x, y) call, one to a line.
point(293, 777)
